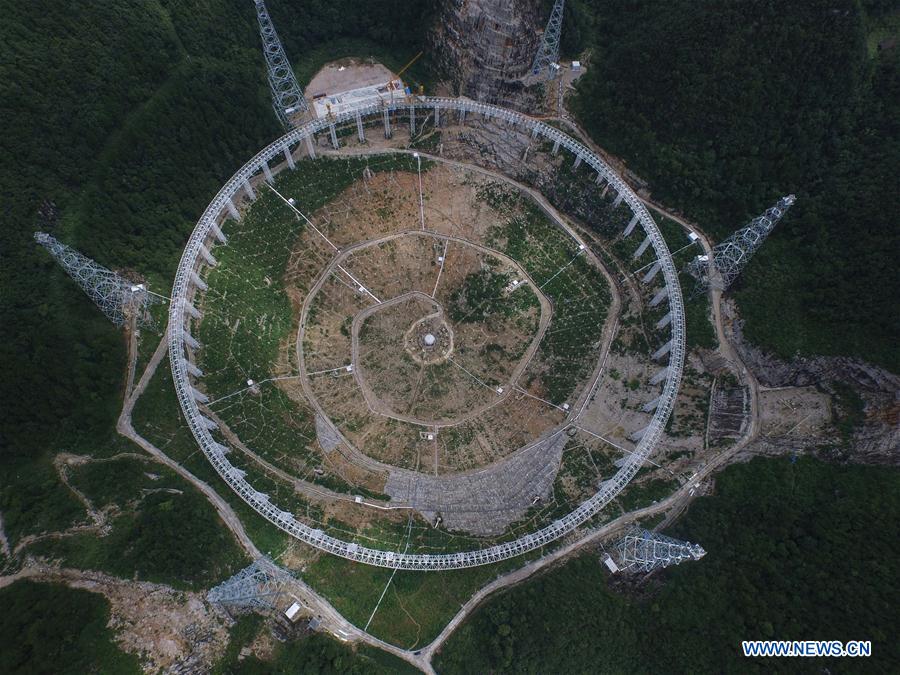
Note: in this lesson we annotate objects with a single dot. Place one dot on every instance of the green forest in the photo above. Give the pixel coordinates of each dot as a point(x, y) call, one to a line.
point(725, 107)
point(794, 551)
point(54, 629)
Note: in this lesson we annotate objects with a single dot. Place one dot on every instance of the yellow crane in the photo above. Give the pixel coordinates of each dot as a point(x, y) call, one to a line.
point(403, 69)
point(412, 61)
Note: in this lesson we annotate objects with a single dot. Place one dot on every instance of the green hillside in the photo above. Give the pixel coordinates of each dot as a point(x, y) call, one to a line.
point(724, 108)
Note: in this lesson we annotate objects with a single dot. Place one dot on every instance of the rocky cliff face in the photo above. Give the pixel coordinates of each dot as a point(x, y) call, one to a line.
point(486, 47)
point(877, 440)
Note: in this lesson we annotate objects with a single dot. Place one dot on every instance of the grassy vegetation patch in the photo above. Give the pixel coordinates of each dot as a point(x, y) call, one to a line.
point(577, 290)
point(415, 608)
point(317, 653)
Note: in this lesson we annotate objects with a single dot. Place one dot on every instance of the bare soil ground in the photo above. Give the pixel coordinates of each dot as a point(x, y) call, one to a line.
point(345, 74)
point(794, 412)
point(378, 208)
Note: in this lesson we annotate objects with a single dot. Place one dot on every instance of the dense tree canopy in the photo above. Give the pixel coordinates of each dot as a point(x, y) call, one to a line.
point(51, 628)
point(724, 108)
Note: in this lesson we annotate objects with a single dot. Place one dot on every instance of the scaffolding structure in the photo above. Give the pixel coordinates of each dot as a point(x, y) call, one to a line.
point(731, 256)
point(287, 97)
point(645, 551)
point(547, 57)
point(257, 586)
point(118, 298)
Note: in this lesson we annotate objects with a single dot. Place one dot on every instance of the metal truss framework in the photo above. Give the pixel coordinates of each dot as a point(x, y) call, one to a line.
point(255, 586)
point(287, 97)
point(548, 51)
point(645, 551)
point(116, 297)
point(732, 255)
point(182, 345)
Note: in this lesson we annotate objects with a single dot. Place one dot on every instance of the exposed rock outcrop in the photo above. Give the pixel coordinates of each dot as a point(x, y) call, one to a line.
point(877, 439)
point(486, 48)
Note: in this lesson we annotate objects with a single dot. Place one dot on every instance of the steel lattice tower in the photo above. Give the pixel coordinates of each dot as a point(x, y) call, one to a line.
point(548, 51)
point(732, 255)
point(255, 586)
point(645, 551)
point(287, 97)
point(116, 297)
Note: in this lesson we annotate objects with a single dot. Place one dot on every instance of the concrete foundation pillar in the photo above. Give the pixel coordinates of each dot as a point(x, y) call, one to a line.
point(267, 172)
point(534, 131)
point(642, 248)
point(360, 129)
point(232, 211)
point(190, 309)
point(207, 256)
point(650, 406)
point(660, 376)
point(661, 295)
point(662, 351)
point(631, 225)
point(289, 157)
point(605, 191)
point(387, 123)
point(577, 161)
point(637, 435)
point(310, 146)
point(249, 189)
point(197, 281)
point(412, 120)
point(665, 321)
point(618, 200)
point(190, 341)
point(555, 147)
point(199, 396)
point(654, 270)
point(208, 423)
point(437, 117)
point(462, 117)
point(217, 231)
point(333, 133)
point(192, 369)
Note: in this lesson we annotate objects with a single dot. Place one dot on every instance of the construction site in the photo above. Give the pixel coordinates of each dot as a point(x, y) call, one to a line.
point(439, 332)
